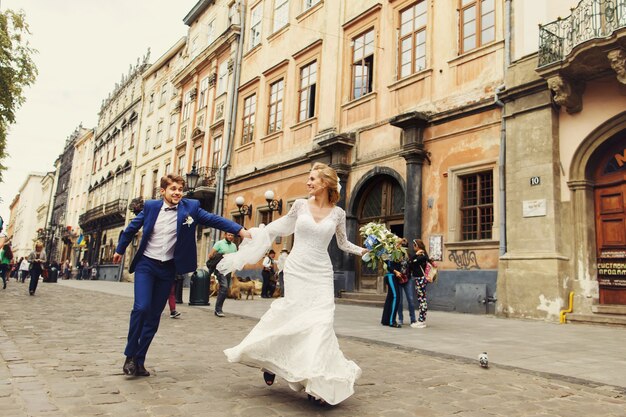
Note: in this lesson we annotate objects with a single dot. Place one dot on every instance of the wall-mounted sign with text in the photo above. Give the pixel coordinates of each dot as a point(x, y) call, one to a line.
point(534, 208)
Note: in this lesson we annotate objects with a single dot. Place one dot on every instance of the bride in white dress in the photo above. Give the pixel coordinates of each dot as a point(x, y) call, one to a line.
point(295, 338)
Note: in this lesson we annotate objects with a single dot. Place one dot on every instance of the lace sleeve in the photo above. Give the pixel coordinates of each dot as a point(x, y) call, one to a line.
point(342, 241)
point(251, 250)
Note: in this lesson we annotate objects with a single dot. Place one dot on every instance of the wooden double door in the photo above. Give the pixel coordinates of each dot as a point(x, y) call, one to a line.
point(610, 214)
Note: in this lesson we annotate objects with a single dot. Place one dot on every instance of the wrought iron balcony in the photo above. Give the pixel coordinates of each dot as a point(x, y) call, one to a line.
point(591, 19)
point(108, 214)
point(208, 177)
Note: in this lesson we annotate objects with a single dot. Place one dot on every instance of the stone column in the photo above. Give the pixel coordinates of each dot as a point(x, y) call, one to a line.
point(412, 125)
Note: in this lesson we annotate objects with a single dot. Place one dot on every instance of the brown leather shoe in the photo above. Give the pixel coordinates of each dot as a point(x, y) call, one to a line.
point(141, 371)
point(129, 366)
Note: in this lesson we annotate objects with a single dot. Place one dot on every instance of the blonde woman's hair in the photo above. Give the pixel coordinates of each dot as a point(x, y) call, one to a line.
point(330, 179)
point(39, 243)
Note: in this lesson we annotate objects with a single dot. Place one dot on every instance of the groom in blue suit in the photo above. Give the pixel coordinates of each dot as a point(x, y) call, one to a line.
point(167, 248)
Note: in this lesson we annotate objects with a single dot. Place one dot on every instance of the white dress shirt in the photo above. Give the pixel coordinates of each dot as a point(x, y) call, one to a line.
point(161, 243)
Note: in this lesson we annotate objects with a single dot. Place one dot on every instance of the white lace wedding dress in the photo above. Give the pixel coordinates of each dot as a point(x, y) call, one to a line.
point(295, 339)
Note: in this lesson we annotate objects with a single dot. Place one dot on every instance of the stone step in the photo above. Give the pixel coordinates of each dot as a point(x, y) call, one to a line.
point(360, 302)
point(363, 296)
point(612, 319)
point(609, 309)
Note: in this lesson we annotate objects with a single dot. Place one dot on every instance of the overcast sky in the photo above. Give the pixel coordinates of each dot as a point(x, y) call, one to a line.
point(84, 48)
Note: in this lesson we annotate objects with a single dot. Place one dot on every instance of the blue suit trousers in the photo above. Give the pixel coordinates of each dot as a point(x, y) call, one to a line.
point(153, 282)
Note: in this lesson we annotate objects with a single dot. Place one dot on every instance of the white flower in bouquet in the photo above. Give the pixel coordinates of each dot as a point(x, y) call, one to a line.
point(382, 244)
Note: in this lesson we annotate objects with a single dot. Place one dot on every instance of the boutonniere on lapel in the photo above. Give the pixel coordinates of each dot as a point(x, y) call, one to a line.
point(188, 221)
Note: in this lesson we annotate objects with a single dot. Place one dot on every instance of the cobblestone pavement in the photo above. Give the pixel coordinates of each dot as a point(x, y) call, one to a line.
point(61, 355)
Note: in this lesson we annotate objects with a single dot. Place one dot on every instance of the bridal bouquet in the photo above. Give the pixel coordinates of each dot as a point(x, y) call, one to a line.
point(382, 245)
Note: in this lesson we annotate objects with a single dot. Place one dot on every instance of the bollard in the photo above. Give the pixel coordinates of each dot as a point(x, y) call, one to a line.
point(199, 288)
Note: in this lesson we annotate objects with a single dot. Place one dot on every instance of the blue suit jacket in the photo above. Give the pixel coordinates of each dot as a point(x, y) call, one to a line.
point(185, 257)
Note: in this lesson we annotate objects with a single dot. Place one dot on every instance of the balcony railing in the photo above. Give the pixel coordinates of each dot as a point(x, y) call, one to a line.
point(116, 207)
point(591, 19)
point(207, 177)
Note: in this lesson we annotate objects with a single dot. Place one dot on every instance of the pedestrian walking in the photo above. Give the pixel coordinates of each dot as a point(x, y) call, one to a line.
point(67, 270)
point(280, 263)
point(36, 260)
point(171, 301)
point(167, 248)
point(6, 256)
point(221, 248)
point(24, 269)
point(407, 287)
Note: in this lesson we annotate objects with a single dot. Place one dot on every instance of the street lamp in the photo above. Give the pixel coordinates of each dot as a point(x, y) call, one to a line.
point(244, 209)
point(274, 205)
point(192, 179)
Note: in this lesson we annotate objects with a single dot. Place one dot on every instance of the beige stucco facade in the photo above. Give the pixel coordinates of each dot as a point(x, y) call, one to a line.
point(363, 135)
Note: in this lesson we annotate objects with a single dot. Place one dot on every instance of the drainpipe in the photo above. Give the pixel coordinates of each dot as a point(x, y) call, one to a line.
point(232, 122)
point(502, 155)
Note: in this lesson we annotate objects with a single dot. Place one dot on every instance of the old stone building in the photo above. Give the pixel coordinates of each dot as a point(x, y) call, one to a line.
point(115, 151)
point(565, 159)
point(407, 114)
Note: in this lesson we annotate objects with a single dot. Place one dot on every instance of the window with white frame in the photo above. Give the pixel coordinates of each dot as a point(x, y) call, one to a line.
point(232, 11)
point(159, 134)
point(202, 97)
point(222, 77)
point(172, 128)
point(146, 142)
point(309, 3)
point(412, 42)
point(281, 14)
point(181, 164)
point(187, 105)
point(211, 32)
point(163, 98)
point(362, 64)
point(256, 20)
point(275, 111)
point(194, 46)
point(151, 103)
point(307, 91)
point(249, 114)
point(477, 23)
point(168, 168)
point(197, 156)
point(217, 148)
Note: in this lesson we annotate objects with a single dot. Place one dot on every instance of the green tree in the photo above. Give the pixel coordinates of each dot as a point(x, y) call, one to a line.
point(17, 71)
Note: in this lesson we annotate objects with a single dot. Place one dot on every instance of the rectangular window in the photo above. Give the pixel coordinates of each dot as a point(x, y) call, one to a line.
point(181, 165)
point(308, 86)
point(256, 21)
point(183, 134)
point(222, 77)
point(187, 105)
point(163, 98)
point(412, 43)
point(275, 121)
point(281, 14)
point(172, 128)
point(211, 32)
point(159, 135)
point(151, 103)
point(146, 141)
point(477, 206)
point(309, 3)
point(249, 111)
point(477, 23)
point(197, 156)
point(142, 185)
point(217, 147)
point(232, 10)
point(168, 169)
point(194, 47)
point(155, 185)
point(204, 88)
point(362, 64)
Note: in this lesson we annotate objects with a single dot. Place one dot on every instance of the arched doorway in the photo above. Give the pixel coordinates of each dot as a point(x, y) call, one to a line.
point(382, 201)
point(608, 170)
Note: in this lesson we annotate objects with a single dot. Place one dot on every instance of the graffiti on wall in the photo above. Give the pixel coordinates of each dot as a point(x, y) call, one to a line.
point(464, 259)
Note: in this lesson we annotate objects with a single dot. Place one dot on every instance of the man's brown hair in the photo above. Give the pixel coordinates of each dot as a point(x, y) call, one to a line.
point(170, 178)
